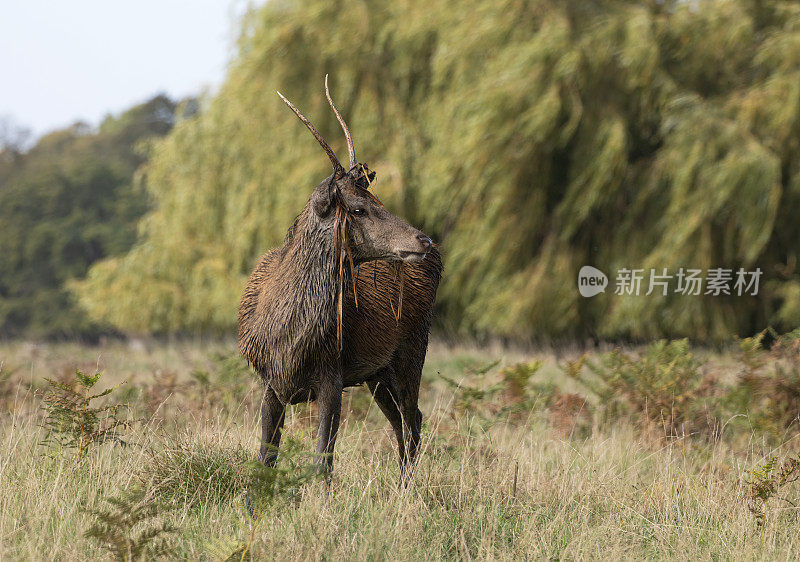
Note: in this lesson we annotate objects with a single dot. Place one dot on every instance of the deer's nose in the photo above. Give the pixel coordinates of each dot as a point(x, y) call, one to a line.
point(426, 242)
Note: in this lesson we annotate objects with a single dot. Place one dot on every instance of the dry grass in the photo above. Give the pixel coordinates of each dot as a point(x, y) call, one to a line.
point(513, 486)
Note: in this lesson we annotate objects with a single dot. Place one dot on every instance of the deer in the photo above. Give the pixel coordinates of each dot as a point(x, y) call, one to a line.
point(347, 300)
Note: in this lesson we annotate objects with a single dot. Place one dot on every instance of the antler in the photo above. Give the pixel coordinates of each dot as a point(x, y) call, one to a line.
point(350, 148)
point(337, 166)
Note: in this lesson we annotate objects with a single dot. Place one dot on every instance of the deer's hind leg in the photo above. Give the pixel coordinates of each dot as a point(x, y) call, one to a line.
point(272, 415)
point(407, 364)
point(386, 396)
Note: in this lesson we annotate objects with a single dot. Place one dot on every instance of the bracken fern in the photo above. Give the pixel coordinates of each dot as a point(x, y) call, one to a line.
point(72, 419)
point(128, 528)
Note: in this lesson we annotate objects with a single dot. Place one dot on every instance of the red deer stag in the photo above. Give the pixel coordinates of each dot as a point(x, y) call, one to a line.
point(346, 300)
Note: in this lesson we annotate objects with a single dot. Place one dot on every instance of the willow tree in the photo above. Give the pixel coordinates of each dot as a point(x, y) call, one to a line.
point(529, 138)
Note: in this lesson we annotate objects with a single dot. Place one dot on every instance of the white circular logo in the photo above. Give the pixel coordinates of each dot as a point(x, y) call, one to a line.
point(591, 281)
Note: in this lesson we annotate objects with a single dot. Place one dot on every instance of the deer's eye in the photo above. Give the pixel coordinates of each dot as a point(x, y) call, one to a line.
point(359, 211)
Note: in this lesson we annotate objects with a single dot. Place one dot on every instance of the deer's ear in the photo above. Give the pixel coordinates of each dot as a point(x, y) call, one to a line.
point(322, 198)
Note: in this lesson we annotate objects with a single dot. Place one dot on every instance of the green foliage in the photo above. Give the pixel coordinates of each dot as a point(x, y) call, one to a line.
point(528, 138)
point(64, 204)
point(128, 527)
point(517, 379)
point(514, 394)
point(73, 419)
point(765, 483)
point(768, 388)
point(664, 387)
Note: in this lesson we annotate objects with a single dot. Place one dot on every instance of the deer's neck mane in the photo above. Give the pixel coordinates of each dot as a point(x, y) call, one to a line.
point(308, 291)
point(288, 323)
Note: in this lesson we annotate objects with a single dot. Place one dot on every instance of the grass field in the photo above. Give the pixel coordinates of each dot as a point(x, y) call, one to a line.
point(520, 460)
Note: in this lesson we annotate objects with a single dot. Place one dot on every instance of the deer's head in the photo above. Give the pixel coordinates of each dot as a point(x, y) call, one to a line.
point(359, 222)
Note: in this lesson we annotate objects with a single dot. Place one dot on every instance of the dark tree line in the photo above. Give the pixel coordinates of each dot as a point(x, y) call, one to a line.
point(65, 203)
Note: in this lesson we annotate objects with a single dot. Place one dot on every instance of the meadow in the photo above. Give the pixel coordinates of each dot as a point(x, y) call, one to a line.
point(653, 452)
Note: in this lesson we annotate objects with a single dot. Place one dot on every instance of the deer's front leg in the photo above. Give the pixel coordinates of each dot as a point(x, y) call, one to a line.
point(272, 413)
point(329, 404)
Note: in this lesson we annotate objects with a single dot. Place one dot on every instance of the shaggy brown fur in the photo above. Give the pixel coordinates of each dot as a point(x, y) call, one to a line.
point(289, 313)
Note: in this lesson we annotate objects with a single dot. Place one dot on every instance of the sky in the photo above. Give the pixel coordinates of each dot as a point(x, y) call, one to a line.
point(65, 61)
